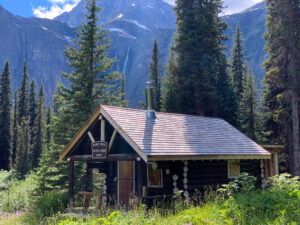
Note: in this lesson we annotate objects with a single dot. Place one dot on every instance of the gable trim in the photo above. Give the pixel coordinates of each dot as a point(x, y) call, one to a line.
point(79, 134)
point(127, 138)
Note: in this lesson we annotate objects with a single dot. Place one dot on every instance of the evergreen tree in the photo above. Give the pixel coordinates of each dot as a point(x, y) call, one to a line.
point(15, 138)
point(248, 106)
point(23, 96)
point(48, 126)
point(237, 64)
point(22, 164)
point(168, 102)
point(32, 103)
point(198, 49)
point(5, 117)
point(226, 99)
point(155, 77)
point(39, 130)
point(91, 83)
point(283, 71)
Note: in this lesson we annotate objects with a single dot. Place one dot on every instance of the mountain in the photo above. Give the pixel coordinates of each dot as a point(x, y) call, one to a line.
point(133, 25)
point(40, 42)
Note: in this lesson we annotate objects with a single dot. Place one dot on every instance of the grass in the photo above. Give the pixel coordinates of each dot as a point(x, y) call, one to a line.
point(237, 203)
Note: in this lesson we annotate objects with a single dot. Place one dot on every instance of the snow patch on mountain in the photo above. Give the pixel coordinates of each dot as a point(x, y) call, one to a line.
point(137, 23)
point(124, 34)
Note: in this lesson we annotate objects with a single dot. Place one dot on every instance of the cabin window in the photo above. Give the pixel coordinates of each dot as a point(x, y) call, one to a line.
point(154, 176)
point(233, 168)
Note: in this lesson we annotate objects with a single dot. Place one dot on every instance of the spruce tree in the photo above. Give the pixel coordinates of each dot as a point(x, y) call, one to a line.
point(248, 106)
point(168, 102)
point(39, 130)
point(91, 82)
point(5, 117)
point(48, 127)
point(198, 45)
point(282, 71)
point(15, 138)
point(226, 99)
point(23, 96)
point(32, 103)
point(237, 64)
point(22, 162)
point(155, 77)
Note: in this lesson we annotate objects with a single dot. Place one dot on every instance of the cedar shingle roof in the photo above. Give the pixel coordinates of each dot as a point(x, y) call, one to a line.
point(179, 136)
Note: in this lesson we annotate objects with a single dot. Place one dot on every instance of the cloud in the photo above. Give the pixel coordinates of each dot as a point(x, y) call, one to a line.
point(56, 8)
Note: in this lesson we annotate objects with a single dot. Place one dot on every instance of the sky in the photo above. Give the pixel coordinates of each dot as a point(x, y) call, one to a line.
point(52, 8)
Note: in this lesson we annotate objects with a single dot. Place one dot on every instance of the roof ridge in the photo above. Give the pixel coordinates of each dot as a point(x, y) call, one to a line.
point(179, 114)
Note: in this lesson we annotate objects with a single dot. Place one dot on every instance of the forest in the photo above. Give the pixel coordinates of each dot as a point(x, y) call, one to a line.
point(199, 80)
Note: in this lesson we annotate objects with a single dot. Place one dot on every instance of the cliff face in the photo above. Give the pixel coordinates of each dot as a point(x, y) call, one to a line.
point(40, 42)
point(133, 25)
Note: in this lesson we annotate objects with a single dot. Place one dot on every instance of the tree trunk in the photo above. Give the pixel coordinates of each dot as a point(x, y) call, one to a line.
point(295, 135)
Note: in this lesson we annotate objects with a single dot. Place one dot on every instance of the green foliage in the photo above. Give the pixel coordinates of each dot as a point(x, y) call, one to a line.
point(248, 112)
point(5, 117)
point(20, 195)
point(282, 75)
point(168, 101)
point(237, 64)
point(51, 203)
point(155, 77)
point(244, 183)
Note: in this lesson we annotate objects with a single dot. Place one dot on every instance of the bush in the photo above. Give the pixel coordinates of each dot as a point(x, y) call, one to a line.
point(280, 202)
point(6, 176)
point(51, 203)
point(19, 195)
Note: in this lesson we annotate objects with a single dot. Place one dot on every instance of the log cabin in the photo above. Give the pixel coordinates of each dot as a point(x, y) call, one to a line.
point(148, 154)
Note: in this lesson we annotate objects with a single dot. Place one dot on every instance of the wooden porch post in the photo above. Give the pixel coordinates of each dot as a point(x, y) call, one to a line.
point(139, 178)
point(71, 184)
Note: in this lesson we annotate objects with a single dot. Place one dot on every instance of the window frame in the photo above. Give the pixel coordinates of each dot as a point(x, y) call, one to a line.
point(161, 177)
point(228, 168)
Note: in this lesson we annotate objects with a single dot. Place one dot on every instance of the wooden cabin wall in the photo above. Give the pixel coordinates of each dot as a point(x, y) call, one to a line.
point(200, 175)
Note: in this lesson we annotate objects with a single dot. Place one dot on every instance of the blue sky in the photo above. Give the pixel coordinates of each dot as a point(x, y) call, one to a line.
point(51, 8)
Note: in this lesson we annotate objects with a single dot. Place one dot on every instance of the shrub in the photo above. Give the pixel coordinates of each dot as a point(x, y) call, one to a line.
point(19, 195)
point(51, 203)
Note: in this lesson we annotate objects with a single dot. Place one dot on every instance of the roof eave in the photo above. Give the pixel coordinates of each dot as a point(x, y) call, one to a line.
point(207, 157)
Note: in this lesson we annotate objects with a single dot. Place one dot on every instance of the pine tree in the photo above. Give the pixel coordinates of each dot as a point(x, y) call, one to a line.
point(248, 106)
point(91, 83)
point(168, 103)
point(5, 117)
point(282, 71)
point(15, 138)
point(23, 96)
point(155, 77)
point(237, 64)
point(198, 48)
point(39, 130)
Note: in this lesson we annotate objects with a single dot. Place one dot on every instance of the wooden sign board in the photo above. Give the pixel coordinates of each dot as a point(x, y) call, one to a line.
point(99, 150)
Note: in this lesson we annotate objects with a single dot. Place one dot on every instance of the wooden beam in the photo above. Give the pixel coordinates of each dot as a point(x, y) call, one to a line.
point(112, 157)
point(102, 130)
point(71, 184)
point(91, 137)
point(79, 134)
point(127, 138)
point(112, 139)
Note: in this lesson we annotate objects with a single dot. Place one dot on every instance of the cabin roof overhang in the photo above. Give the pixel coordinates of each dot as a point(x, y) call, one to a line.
point(120, 117)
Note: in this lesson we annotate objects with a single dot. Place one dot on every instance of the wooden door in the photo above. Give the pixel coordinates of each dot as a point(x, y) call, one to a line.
point(126, 181)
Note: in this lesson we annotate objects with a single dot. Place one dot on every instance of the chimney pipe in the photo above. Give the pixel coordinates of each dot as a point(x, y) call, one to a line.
point(150, 113)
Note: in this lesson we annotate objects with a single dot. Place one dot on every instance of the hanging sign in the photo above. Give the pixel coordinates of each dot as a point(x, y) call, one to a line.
point(99, 149)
